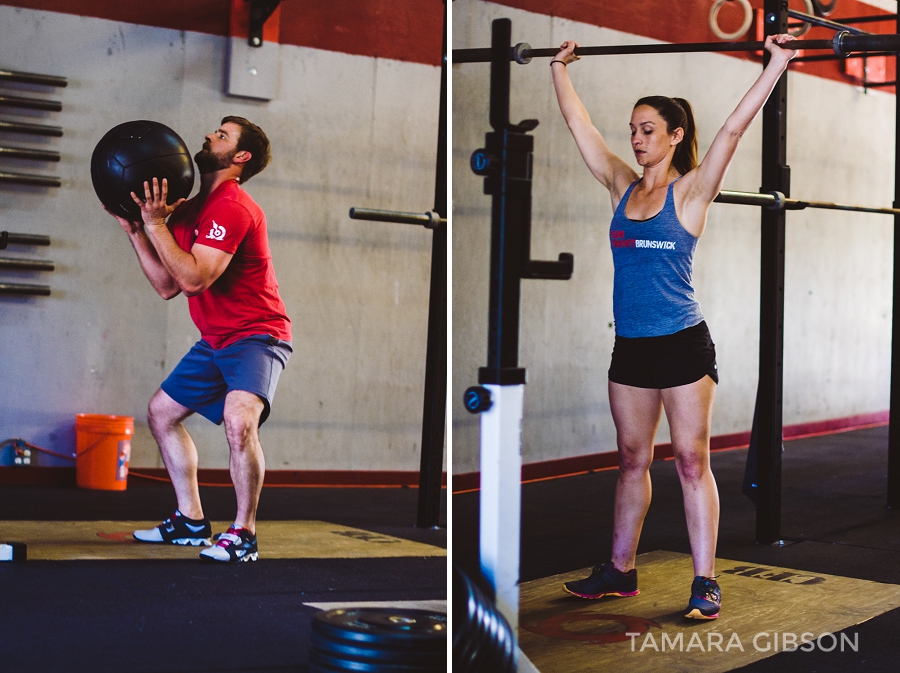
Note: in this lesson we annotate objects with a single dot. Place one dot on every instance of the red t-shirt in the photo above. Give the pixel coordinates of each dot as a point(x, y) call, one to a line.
point(244, 300)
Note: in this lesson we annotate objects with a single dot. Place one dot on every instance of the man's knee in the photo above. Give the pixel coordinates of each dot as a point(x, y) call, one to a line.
point(242, 414)
point(163, 411)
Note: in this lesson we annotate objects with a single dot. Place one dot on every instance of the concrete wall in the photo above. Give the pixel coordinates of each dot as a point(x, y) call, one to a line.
point(346, 131)
point(838, 284)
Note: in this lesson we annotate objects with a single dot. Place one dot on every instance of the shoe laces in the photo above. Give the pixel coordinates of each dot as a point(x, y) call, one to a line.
point(229, 537)
point(708, 589)
point(171, 519)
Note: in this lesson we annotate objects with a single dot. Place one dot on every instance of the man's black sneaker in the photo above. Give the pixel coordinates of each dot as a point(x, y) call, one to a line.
point(603, 581)
point(706, 598)
point(233, 546)
point(178, 530)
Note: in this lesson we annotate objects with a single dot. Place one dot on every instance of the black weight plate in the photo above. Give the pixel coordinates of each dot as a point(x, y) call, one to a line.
point(361, 652)
point(384, 626)
point(482, 639)
point(325, 663)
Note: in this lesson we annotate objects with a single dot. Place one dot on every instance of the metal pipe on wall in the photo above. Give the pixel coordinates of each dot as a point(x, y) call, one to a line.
point(31, 129)
point(32, 78)
point(28, 153)
point(25, 289)
point(30, 179)
point(20, 264)
point(26, 239)
point(30, 103)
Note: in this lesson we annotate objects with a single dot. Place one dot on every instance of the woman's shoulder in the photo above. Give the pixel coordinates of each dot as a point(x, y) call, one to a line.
point(622, 184)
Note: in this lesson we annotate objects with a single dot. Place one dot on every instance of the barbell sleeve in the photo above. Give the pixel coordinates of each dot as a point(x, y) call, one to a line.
point(429, 220)
point(778, 201)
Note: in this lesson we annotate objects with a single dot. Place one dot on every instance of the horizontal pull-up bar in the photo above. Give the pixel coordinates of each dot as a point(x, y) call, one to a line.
point(843, 44)
point(778, 201)
point(837, 57)
point(429, 220)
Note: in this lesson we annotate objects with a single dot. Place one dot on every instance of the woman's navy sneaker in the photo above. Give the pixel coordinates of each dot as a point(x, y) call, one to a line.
point(235, 545)
point(605, 580)
point(178, 529)
point(706, 599)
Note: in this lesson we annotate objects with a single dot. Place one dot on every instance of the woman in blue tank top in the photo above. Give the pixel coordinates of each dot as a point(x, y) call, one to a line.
point(663, 358)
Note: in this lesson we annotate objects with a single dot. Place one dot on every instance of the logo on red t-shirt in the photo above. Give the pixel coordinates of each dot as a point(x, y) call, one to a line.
point(217, 233)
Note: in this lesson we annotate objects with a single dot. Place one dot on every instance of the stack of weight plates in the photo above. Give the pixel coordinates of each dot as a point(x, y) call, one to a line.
point(378, 640)
point(483, 642)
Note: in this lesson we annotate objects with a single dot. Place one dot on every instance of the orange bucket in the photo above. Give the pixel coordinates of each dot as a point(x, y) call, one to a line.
point(102, 451)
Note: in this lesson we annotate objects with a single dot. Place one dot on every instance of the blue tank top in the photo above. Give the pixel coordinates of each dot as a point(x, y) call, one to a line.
point(653, 260)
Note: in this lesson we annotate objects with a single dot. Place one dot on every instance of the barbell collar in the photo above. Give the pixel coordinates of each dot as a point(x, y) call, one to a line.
point(520, 53)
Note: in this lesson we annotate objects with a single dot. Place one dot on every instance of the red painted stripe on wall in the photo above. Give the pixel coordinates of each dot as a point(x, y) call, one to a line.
point(405, 30)
point(688, 21)
point(565, 467)
point(65, 476)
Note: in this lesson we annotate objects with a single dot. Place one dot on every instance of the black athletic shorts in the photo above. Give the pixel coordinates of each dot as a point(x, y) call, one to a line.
point(664, 361)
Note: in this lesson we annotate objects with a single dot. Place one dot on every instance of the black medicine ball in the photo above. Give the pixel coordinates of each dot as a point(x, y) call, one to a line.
point(135, 152)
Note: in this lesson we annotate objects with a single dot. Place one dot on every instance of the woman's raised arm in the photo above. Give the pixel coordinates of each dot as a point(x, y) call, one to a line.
point(703, 184)
point(612, 172)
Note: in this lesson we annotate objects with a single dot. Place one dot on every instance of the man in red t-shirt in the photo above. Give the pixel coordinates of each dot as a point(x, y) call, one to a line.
point(215, 249)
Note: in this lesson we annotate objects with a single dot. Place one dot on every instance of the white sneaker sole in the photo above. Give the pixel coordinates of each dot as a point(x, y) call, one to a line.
point(193, 542)
point(184, 541)
point(252, 556)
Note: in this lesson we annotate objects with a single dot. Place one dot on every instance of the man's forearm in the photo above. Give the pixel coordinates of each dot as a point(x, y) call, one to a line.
point(152, 266)
point(180, 265)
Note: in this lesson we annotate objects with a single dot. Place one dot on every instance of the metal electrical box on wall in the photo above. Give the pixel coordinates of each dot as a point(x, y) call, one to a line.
point(252, 71)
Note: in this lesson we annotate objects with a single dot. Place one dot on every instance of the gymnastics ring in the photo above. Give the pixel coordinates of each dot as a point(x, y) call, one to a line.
point(824, 8)
point(804, 29)
point(740, 32)
point(748, 19)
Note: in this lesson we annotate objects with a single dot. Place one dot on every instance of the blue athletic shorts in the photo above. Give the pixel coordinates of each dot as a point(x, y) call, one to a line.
point(205, 376)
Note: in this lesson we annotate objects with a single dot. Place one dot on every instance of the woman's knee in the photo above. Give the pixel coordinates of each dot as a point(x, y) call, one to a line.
point(634, 460)
point(692, 465)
